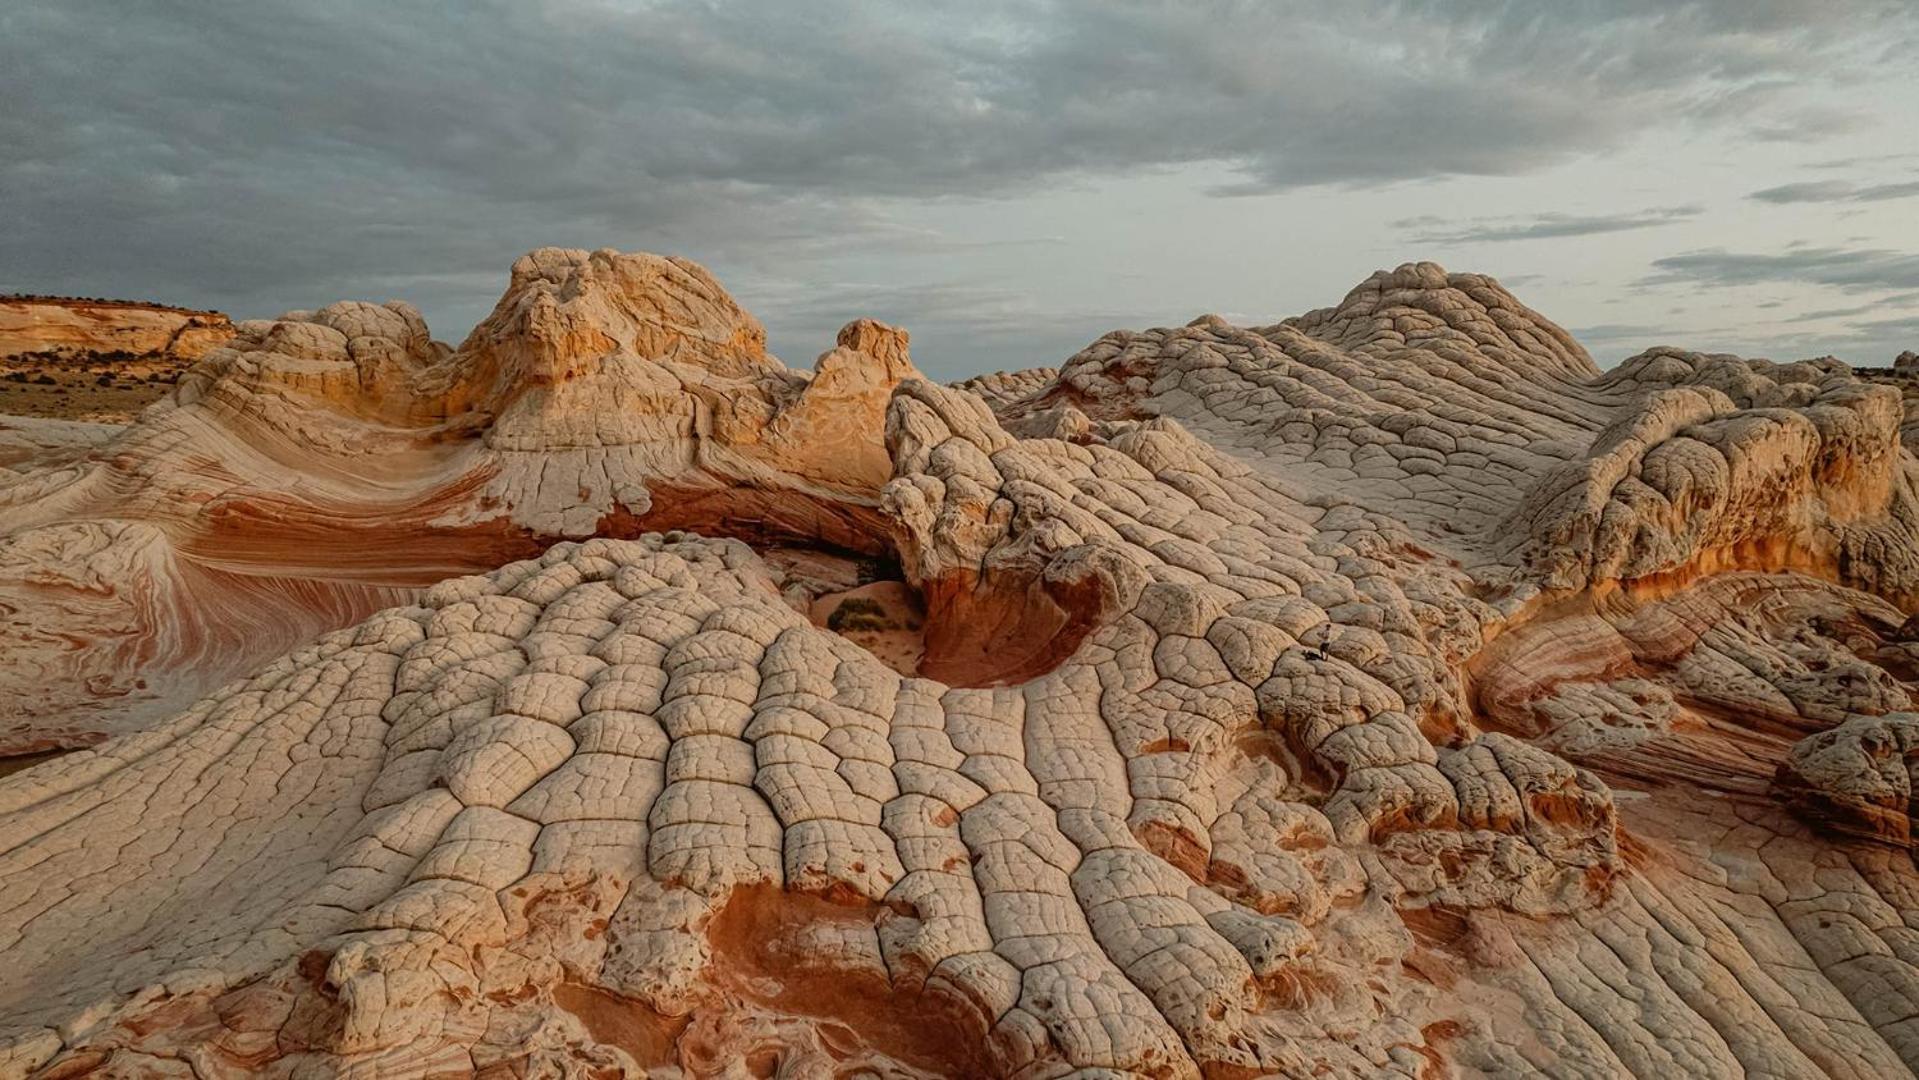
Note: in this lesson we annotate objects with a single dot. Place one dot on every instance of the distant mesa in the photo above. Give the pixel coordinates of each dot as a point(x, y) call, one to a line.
point(70, 326)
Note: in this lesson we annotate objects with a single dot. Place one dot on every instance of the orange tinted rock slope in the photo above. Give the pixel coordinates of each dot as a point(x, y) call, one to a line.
point(1382, 691)
point(73, 326)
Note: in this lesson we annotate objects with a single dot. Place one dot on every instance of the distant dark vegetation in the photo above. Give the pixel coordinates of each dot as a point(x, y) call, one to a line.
point(105, 378)
point(100, 301)
point(78, 356)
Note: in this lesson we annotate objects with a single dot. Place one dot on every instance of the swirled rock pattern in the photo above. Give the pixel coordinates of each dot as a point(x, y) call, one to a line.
point(1386, 691)
point(326, 464)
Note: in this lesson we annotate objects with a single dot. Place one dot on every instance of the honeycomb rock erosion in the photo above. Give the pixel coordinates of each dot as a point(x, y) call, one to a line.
point(1385, 691)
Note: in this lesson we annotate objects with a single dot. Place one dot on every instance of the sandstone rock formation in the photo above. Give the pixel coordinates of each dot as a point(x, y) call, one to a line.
point(327, 464)
point(1385, 691)
point(66, 325)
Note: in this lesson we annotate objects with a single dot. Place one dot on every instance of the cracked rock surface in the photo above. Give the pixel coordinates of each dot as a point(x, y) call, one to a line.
point(1385, 691)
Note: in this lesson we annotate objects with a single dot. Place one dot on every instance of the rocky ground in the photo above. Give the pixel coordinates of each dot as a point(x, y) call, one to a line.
point(102, 388)
point(1383, 691)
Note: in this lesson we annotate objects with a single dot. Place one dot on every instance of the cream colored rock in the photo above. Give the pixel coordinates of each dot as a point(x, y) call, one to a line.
point(1382, 692)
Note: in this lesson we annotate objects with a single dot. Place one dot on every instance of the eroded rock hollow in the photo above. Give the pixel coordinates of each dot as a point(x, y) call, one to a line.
point(1387, 690)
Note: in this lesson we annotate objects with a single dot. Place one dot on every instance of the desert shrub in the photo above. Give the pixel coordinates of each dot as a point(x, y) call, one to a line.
point(859, 613)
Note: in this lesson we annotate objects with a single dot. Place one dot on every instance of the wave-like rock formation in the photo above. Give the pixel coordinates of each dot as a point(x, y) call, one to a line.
point(327, 464)
point(1386, 691)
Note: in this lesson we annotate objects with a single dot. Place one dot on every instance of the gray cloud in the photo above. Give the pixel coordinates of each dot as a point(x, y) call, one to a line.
point(1851, 270)
point(1830, 191)
point(1878, 306)
point(264, 155)
point(1871, 343)
point(1857, 160)
point(1869, 334)
point(1428, 229)
point(1613, 333)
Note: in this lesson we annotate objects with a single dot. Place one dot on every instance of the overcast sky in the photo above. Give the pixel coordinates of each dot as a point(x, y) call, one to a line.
point(1005, 180)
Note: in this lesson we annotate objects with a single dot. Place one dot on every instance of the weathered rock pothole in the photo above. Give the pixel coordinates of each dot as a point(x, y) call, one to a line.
point(886, 618)
point(863, 599)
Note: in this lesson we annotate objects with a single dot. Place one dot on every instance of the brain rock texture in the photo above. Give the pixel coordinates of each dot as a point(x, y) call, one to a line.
point(1383, 692)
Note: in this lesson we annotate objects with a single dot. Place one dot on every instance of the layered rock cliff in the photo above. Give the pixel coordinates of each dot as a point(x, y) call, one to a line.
point(69, 326)
point(1386, 690)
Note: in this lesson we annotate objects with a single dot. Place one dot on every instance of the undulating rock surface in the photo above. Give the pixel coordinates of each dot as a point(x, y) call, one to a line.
point(1386, 691)
point(327, 464)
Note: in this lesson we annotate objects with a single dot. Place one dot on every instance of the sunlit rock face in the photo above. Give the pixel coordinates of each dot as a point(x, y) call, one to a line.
point(327, 464)
point(1382, 691)
point(76, 327)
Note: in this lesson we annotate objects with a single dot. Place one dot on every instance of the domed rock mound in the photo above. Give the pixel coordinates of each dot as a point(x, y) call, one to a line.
point(1383, 691)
